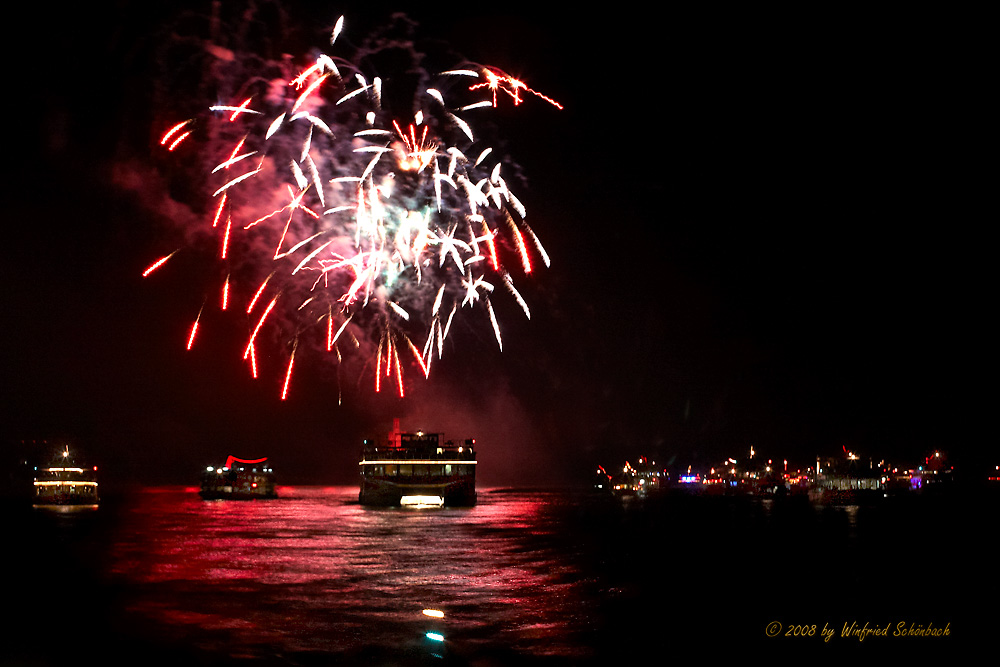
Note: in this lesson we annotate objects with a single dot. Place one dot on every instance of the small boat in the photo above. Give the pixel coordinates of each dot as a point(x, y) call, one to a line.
point(418, 470)
point(66, 485)
point(239, 479)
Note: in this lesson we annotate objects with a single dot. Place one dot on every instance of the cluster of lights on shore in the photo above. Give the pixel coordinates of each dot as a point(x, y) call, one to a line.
point(406, 230)
point(646, 477)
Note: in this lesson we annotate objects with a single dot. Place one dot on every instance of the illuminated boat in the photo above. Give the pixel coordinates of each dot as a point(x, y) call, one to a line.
point(418, 470)
point(642, 480)
point(65, 485)
point(847, 479)
point(238, 479)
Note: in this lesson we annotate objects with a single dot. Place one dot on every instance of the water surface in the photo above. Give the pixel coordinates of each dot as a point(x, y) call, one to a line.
point(526, 576)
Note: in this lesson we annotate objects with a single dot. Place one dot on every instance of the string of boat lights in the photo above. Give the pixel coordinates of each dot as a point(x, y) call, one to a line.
point(418, 462)
point(63, 482)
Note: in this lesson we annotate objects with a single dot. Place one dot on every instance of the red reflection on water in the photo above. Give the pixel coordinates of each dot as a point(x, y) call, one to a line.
point(316, 571)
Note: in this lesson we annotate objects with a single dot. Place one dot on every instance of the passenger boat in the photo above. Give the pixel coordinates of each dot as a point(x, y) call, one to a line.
point(66, 485)
point(847, 480)
point(418, 470)
point(239, 479)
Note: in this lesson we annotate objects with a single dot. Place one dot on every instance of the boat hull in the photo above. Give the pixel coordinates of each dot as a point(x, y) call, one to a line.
point(389, 493)
point(66, 507)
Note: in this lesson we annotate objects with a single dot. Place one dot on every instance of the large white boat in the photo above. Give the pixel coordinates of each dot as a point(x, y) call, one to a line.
point(418, 470)
point(66, 485)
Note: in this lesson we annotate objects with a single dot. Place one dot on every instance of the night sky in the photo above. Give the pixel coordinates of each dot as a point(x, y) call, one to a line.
point(760, 226)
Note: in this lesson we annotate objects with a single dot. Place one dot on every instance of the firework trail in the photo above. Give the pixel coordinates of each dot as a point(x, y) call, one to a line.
point(355, 221)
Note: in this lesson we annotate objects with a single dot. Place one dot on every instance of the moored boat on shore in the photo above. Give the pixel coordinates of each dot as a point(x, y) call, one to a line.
point(641, 480)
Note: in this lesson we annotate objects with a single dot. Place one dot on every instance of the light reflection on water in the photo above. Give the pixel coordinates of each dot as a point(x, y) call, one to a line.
point(314, 571)
point(560, 576)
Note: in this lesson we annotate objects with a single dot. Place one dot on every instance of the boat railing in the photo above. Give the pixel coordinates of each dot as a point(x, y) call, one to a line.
point(389, 453)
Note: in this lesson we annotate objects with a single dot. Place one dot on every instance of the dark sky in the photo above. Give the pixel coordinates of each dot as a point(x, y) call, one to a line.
point(761, 233)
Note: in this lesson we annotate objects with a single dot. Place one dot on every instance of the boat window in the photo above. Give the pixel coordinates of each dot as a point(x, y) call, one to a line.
point(406, 469)
point(391, 469)
point(447, 469)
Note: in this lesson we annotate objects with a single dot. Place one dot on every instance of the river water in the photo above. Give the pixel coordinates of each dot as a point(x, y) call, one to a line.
point(525, 577)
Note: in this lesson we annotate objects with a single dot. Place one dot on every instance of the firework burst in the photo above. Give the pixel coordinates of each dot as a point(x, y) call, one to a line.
point(339, 219)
